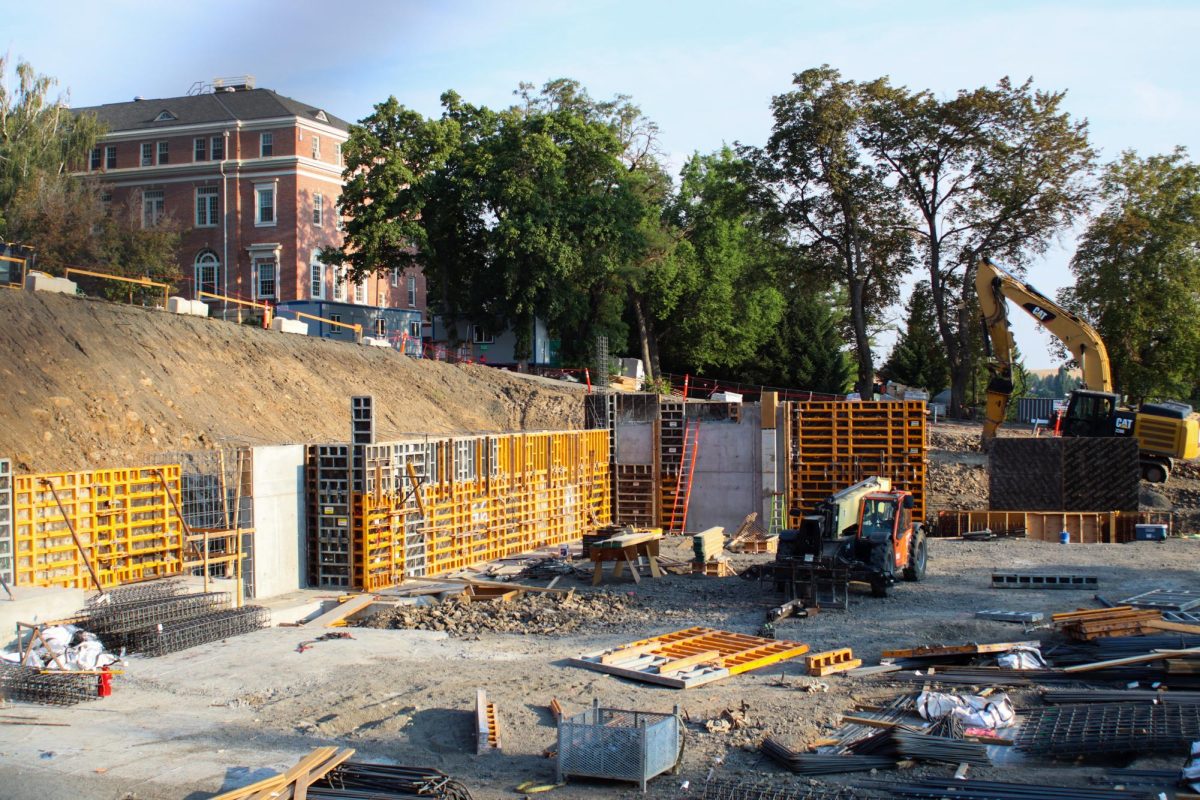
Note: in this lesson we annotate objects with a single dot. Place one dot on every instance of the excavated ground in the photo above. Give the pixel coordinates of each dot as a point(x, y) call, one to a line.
point(95, 384)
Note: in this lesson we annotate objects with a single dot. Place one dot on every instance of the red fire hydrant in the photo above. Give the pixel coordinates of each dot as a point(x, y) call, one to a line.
point(104, 689)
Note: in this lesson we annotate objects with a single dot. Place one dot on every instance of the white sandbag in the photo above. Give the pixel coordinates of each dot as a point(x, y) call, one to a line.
point(1022, 657)
point(57, 637)
point(974, 711)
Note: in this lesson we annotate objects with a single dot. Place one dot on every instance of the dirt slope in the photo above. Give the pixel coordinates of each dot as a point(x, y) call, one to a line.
point(89, 384)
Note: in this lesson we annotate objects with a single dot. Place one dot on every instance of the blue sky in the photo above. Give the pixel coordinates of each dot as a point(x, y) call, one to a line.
point(704, 70)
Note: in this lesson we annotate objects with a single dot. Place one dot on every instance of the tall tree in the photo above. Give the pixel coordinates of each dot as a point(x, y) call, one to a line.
point(806, 349)
point(838, 203)
point(995, 171)
point(1137, 272)
point(918, 358)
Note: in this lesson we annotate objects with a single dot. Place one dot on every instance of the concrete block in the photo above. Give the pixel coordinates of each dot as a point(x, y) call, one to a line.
point(633, 368)
point(199, 308)
point(179, 305)
point(289, 326)
point(36, 604)
point(727, 397)
point(375, 341)
point(41, 282)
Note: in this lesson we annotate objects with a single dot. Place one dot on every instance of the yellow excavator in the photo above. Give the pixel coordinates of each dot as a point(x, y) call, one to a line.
point(1165, 431)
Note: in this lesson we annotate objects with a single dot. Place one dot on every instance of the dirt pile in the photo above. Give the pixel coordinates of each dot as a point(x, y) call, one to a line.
point(96, 384)
point(550, 614)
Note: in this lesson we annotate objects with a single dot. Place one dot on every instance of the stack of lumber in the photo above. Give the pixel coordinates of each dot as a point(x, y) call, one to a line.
point(1088, 624)
point(295, 782)
point(752, 537)
point(708, 544)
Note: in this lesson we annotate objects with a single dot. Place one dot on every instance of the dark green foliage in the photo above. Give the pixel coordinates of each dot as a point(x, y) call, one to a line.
point(806, 350)
point(919, 358)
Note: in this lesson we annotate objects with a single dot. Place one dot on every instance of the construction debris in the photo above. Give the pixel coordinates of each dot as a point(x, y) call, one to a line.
point(1165, 600)
point(539, 613)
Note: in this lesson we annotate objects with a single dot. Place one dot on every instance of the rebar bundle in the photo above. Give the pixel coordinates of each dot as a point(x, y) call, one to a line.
point(823, 763)
point(358, 780)
point(117, 625)
point(32, 685)
point(1058, 697)
point(1103, 728)
point(923, 747)
point(952, 789)
point(137, 592)
point(731, 790)
point(170, 637)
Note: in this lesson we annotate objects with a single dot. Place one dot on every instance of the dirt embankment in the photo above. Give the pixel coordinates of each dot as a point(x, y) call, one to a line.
point(95, 384)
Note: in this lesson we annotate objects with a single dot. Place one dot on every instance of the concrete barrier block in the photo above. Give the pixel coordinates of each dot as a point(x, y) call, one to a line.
point(199, 308)
point(374, 341)
point(289, 326)
point(179, 305)
point(41, 282)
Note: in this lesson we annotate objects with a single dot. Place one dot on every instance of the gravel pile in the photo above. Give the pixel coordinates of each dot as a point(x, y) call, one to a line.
point(533, 612)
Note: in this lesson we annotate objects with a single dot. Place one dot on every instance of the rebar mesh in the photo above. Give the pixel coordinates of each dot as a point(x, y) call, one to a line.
point(1099, 728)
point(119, 626)
point(734, 790)
point(135, 593)
point(31, 685)
point(170, 637)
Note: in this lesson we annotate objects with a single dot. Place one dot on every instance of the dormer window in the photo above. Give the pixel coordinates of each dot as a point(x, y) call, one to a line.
point(165, 116)
point(320, 115)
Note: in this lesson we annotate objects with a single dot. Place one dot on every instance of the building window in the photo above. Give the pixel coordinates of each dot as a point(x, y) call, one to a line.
point(316, 276)
point(264, 204)
point(395, 277)
point(266, 144)
point(164, 152)
point(94, 162)
point(318, 208)
point(414, 329)
point(339, 284)
point(200, 149)
point(206, 207)
point(412, 291)
point(153, 207)
point(338, 153)
point(316, 149)
point(207, 272)
point(264, 269)
point(480, 336)
point(110, 156)
point(360, 292)
point(147, 153)
point(106, 202)
point(381, 328)
point(218, 148)
point(335, 317)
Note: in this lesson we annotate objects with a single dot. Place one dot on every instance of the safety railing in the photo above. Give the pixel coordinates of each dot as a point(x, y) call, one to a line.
point(354, 326)
point(20, 282)
point(260, 305)
point(166, 288)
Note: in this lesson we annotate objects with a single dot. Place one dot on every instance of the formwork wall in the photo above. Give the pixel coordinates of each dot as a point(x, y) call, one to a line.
point(431, 506)
point(6, 531)
point(1064, 474)
point(125, 519)
point(834, 444)
point(1082, 527)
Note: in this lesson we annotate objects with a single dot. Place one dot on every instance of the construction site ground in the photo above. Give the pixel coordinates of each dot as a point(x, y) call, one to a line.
point(188, 724)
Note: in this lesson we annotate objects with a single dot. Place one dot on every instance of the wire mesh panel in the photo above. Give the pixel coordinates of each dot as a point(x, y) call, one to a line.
point(617, 744)
point(6, 531)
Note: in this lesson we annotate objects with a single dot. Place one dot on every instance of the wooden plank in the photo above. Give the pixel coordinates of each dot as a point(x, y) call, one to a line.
point(687, 662)
point(1120, 662)
point(830, 669)
point(930, 651)
point(302, 783)
point(342, 610)
point(1084, 613)
point(305, 765)
point(1177, 627)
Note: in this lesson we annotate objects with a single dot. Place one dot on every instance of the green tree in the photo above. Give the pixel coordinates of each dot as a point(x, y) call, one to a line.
point(806, 350)
point(994, 171)
point(1137, 271)
point(918, 358)
point(839, 205)
point(40, 139)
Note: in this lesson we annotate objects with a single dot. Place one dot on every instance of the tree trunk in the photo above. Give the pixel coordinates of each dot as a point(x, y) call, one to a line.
point(962, 366)
point(865, 386)
point(648, 361)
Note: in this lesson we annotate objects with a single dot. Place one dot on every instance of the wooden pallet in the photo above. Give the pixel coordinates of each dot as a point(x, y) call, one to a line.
point(831, 661)
point(690, 657)
point(714, 568)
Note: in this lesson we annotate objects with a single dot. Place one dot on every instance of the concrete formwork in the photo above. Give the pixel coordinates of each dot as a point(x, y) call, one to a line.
point(277, 481)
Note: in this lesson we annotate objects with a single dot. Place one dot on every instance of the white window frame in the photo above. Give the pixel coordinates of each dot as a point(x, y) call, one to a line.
point(318, 209)
point(266, 142)
point(110, 156)
point(208, 206)
point(316, 276)
point(147, 153)
point(478, 336)
point(414, 328)
point(412, 291)
point(338, 153)
point(154, 210)
point(395, 276)
point(162, 151)
point(339, 284)
point(381, 328)
point(95, 159)
point(259, 188)
point(200, 148)
point(206, 259)
point(360, 292)
point(316, 146)
point(214, 143)
point(259, 262)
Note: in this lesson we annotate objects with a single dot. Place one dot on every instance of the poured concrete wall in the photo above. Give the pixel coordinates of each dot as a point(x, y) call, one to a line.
point(279, 521)
point(728, 481)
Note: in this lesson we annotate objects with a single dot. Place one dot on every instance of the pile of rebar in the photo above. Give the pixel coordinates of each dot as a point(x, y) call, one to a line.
point(1069, 731)
point(732, 790)
point(823, 763)
point(952, 789)
point(57, 688)
point(363, 781)
point(136, 592)
point(923, 747)
point(118, 624)
point(212, 626)
point(1058, 697)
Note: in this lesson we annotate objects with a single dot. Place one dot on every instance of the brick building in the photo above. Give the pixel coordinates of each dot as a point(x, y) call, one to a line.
point(254, 179)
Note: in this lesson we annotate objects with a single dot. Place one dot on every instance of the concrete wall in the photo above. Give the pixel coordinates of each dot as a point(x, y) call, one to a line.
point(635, 443)
point(728, 481)
point(279, 522)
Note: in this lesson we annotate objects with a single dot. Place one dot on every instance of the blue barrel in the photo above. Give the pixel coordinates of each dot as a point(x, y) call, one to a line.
point(1064, 538)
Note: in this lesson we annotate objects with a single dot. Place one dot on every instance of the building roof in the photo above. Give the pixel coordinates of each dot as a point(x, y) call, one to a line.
point(198, 109)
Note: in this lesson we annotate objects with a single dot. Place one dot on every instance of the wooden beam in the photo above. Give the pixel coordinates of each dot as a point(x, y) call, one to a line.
point(687, 662)
point(1177, 627)
point(1120, 662)
point(343, 609)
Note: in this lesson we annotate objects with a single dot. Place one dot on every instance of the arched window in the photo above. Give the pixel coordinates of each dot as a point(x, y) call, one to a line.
point(207, 272)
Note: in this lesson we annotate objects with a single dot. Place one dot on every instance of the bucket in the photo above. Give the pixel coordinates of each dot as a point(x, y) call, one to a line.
point(1064, 538)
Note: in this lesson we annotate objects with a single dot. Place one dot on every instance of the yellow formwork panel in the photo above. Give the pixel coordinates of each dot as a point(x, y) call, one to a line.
point(124, 518)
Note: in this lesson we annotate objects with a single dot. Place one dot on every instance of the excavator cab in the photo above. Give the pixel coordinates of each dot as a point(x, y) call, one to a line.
point(1091, 413)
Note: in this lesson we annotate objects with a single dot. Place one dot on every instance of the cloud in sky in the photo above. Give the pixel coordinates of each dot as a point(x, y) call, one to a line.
point(704, 70)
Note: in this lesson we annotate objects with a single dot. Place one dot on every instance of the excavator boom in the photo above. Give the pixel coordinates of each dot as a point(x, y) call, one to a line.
point(994, 287)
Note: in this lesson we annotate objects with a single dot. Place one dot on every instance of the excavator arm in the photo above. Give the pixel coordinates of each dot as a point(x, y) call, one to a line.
point(994, 287)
